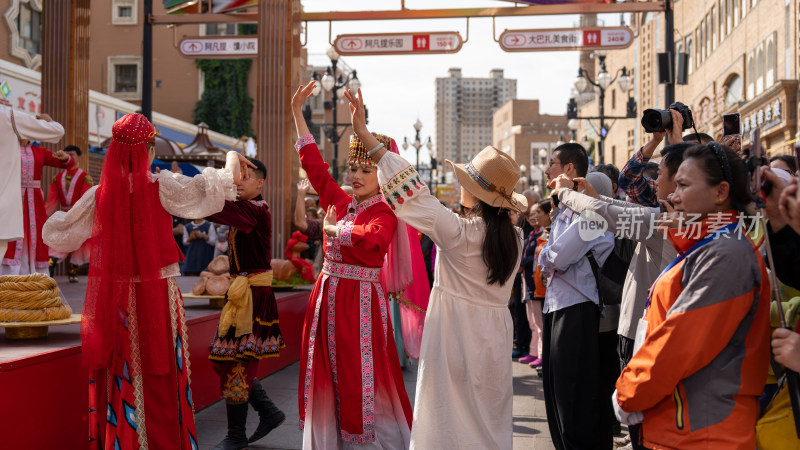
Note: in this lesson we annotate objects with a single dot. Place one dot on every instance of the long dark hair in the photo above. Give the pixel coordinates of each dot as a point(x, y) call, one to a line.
point(501, 244)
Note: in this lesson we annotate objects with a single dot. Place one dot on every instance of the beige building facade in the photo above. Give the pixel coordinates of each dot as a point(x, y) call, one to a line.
point(742, 58)
point(464, 109)
point(521, 131)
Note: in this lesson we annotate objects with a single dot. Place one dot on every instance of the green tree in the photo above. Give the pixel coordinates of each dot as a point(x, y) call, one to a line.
point(225, 105)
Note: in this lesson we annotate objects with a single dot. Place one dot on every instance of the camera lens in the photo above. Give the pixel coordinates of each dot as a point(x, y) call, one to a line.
point(656, 120)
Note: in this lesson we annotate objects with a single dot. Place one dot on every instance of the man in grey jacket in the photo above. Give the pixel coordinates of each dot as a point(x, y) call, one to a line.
point(652, 254)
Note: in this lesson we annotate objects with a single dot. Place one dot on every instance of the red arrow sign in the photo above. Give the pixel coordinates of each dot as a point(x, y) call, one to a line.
point(559, 39)
point(398, 43)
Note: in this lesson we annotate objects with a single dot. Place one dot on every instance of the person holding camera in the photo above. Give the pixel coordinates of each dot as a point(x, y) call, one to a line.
point(640, 188)
point(696, 378)
point(651, 254)
point(570, 349)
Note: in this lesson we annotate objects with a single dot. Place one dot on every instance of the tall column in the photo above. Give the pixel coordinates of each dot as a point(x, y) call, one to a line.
point(278, 72)
point(65, 72)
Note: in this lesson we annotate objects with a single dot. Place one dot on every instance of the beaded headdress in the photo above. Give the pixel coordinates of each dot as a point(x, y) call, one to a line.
point(133, 129)
point(358, 153)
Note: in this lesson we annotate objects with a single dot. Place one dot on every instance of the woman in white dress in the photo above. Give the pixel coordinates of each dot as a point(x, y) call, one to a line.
point(464, 385)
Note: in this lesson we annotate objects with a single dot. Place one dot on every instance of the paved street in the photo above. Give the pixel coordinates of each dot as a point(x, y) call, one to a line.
point(530, 424)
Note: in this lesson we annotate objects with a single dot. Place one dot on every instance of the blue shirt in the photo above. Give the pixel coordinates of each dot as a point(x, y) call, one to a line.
point(563, 260)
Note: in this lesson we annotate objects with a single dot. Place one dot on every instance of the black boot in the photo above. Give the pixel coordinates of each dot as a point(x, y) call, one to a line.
point(237, 436)
point(52, 266)
point(269, 414)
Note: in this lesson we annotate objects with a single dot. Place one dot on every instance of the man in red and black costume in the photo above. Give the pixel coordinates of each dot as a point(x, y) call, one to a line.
point(248, 330)
point(65, 190)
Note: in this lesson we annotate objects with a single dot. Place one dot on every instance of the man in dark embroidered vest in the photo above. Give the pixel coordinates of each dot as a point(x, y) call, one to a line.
point(248, 329)
point(66, 189)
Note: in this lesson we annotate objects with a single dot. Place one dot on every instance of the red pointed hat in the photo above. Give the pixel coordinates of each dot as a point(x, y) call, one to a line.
point(133, 129)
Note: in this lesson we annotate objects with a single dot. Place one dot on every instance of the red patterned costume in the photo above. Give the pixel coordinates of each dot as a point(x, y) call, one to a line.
point(30, 254)
point(65, 190)
point(351, 387)
point(133, 332)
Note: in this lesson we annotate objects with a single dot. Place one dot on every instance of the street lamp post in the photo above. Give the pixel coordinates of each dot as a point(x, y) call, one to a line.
point(335, 84)
point(432, 179)
point(544, 155)
point(417, 144)
point(602, 83)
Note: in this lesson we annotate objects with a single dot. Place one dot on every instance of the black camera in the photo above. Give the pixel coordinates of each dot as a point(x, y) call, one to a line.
point(657, 120)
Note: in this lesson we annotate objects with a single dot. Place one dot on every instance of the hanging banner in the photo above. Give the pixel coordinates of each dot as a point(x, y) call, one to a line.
point(559, 39)
point(399, 43)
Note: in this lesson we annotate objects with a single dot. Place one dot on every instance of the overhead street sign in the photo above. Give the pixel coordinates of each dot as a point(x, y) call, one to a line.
point(219, 46)
point(398, 43)
point(556, 39)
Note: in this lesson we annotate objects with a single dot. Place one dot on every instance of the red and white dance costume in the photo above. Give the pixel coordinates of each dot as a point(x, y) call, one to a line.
point(133, 331)
point(65, 190)
point(29, 254)
point(351, 392)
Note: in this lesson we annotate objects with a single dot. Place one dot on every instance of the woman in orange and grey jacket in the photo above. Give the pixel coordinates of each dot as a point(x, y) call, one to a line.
point(696, 379)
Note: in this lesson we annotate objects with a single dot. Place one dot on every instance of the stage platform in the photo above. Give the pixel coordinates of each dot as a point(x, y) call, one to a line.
point(45, 389)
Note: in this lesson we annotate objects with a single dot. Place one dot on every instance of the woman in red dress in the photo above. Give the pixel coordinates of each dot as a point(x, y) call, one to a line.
point(351, 391)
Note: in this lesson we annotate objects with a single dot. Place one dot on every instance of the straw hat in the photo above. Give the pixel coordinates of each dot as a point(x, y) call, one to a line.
point(491, 177)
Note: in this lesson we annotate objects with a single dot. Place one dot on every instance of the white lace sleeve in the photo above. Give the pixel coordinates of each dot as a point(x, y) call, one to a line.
point(67, 231)
point(195, 197)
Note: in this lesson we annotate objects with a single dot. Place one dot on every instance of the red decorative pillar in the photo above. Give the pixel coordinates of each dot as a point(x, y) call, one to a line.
point(65, 72)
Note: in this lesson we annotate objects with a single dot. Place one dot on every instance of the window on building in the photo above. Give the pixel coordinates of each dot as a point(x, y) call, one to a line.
point(728, 16)
point(760, 63)
point(707, 29)
point(689, 52)
point(721, 20)
point(733, 91)
point(772, 62)
point(124, 77)
point(28, 37)
point(613, 99)
point(744, 8)
point(735, 12)
point(751, 76)
point(699, 48)
point(713, 26)
point(220, 29)
point(123, 12)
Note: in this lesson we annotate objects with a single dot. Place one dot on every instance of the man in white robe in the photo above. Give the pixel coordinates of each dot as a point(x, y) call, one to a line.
point(33, 128)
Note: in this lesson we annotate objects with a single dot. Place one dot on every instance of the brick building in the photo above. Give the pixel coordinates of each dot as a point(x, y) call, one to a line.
point(519, 129)
point(743, 57)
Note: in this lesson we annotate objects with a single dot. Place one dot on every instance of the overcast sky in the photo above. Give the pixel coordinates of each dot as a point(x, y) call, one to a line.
point(398, 89)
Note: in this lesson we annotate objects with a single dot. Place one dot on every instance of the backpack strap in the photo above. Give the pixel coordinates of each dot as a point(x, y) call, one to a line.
point(596, 273)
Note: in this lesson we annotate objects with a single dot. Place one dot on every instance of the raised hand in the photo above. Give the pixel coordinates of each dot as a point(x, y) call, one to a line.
point(358, 114)
point(301, 95)
point(303, 187)
point(244, 163)
point(560, 182)
point(329, 223)
point(61, 155)
point(330, 216)
point(588, 189)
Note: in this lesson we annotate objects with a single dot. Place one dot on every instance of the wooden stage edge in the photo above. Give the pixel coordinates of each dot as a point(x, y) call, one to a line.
point(51, 388)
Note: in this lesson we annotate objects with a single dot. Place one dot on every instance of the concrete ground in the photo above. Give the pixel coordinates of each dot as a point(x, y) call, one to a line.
point(530, 423)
